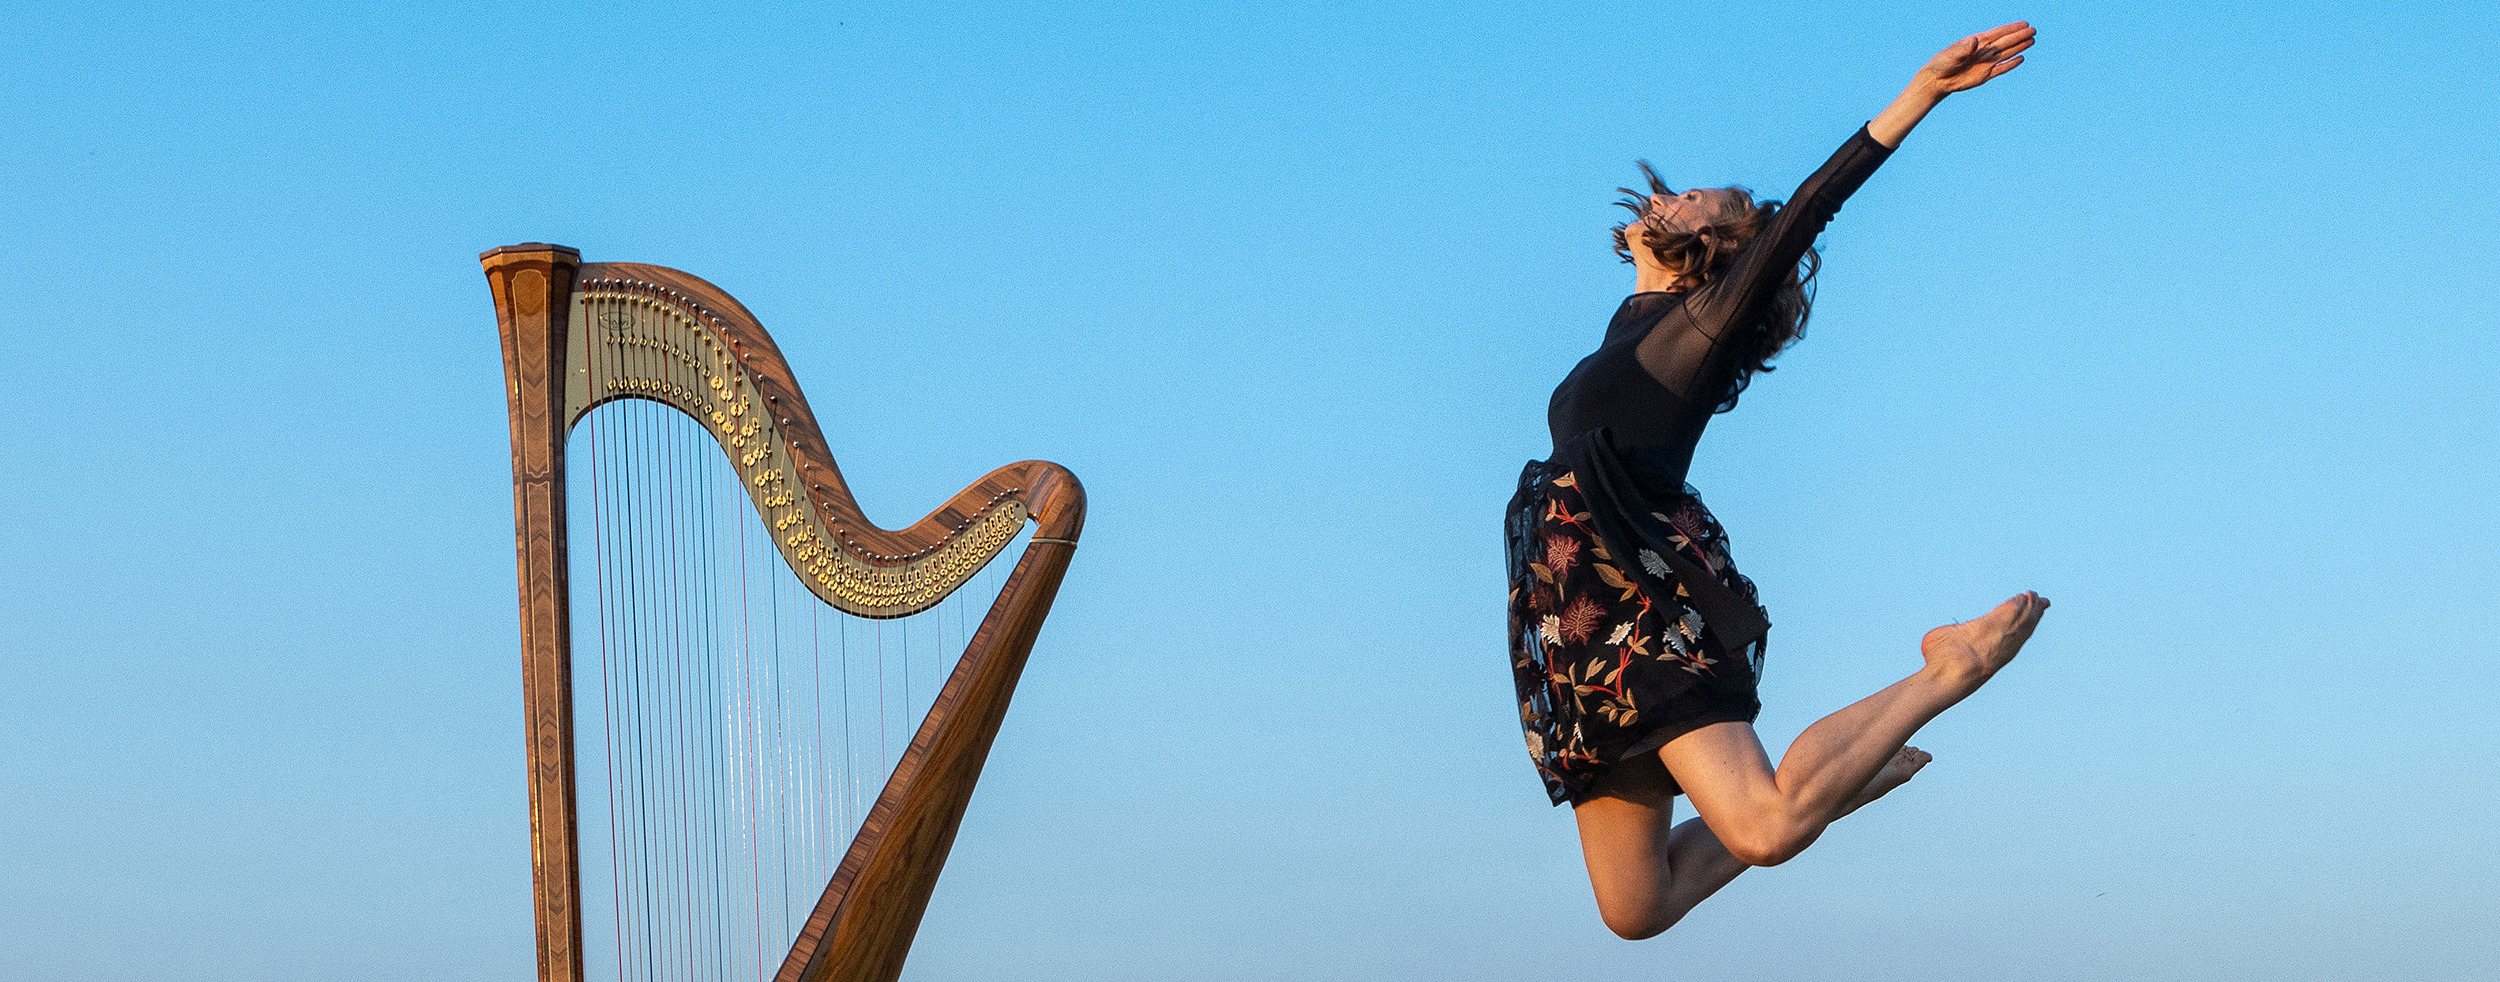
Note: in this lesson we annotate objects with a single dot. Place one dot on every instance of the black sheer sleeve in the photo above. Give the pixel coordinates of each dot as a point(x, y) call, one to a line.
point(1679, 348)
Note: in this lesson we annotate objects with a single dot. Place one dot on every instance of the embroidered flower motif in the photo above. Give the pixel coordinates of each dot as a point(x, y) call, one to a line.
point(1617, 580)
point(1580, 620)
point(1561, 553)
point(1550, 628)
point(1698, 663)
point(1656, 565)
point(1622, 631)
point(1691, 626)
point(1694, 526)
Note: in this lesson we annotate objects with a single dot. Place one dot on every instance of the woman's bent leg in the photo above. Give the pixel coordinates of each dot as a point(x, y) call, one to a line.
point(1763, 816)
point(1648, 874)
point(1647, 871)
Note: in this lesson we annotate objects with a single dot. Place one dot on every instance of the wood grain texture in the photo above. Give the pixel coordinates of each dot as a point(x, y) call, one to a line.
point(862, 926)
point(533, 285)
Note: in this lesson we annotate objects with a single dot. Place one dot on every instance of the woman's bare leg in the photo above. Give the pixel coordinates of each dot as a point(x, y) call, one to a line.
point(1765, 816)
point(1644, 881)
point(1649, 872)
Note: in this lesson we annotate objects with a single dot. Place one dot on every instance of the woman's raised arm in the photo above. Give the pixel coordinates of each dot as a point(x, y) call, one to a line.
point(1963, 65)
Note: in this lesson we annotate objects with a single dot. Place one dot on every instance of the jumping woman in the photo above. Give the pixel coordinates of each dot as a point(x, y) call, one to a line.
point(1635, 643)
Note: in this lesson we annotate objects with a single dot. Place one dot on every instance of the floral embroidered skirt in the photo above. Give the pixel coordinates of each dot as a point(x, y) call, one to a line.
point(1606, 666)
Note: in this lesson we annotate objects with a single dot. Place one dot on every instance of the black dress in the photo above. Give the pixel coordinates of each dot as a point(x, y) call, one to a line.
point(1629, 624)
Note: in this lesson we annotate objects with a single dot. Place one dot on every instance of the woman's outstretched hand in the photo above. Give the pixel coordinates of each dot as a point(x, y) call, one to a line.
point(1970, 62)
point(1962, 66)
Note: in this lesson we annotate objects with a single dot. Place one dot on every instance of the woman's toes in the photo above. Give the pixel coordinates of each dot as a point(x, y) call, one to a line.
point(2006, 614)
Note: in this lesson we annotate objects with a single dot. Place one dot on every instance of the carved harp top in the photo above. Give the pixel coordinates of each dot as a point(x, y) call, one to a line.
point(577, 335)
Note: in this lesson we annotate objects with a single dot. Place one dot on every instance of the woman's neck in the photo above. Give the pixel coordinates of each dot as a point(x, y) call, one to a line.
point(1658, 279)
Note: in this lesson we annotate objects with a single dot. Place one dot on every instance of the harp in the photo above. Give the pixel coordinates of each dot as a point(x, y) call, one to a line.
point(709, 775)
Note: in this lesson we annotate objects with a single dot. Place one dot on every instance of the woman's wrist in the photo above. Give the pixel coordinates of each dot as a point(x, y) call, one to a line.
point(1925, 90)
point(1903, 115)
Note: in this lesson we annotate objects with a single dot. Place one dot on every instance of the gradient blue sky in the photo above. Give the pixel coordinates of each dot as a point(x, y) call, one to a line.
point(2187, 324)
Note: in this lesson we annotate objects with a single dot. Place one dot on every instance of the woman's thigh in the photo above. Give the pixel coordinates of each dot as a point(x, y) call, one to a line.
point(1624, 823)
point(1724, 770)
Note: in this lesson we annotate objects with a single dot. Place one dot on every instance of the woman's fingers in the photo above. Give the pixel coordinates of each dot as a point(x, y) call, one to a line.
point(2003, 41)
point(2005, 30)
point(2001, 50)
point(1972, 61)
point(1981, 74)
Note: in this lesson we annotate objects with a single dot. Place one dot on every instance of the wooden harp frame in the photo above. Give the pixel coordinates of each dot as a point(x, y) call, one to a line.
point(862, 927)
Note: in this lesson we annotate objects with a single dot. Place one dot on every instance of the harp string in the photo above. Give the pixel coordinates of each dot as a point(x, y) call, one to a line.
point(607, 715)
point(687, 861)
point(658, 820)
point(649, 622)
point(742, 739)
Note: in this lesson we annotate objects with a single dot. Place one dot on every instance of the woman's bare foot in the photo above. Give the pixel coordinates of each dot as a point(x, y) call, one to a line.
point(1967, 654)
point(1896, 772)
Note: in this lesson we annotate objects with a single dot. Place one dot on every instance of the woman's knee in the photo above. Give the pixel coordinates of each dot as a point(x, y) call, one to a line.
point(1636, 924)
point(1766, 843)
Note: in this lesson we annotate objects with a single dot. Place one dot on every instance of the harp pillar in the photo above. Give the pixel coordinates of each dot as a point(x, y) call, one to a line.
point(533, 287)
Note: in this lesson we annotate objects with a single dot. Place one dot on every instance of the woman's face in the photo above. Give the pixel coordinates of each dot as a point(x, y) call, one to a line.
point(1690, 210)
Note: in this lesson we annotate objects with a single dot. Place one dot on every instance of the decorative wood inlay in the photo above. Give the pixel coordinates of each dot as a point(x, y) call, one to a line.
point(647, 341)
point(532, 284)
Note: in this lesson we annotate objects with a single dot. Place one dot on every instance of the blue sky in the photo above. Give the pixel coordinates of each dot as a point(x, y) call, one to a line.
point(2187, 324)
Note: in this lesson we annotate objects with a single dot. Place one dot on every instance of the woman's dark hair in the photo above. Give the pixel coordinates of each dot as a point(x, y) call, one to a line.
point(1703, 254)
